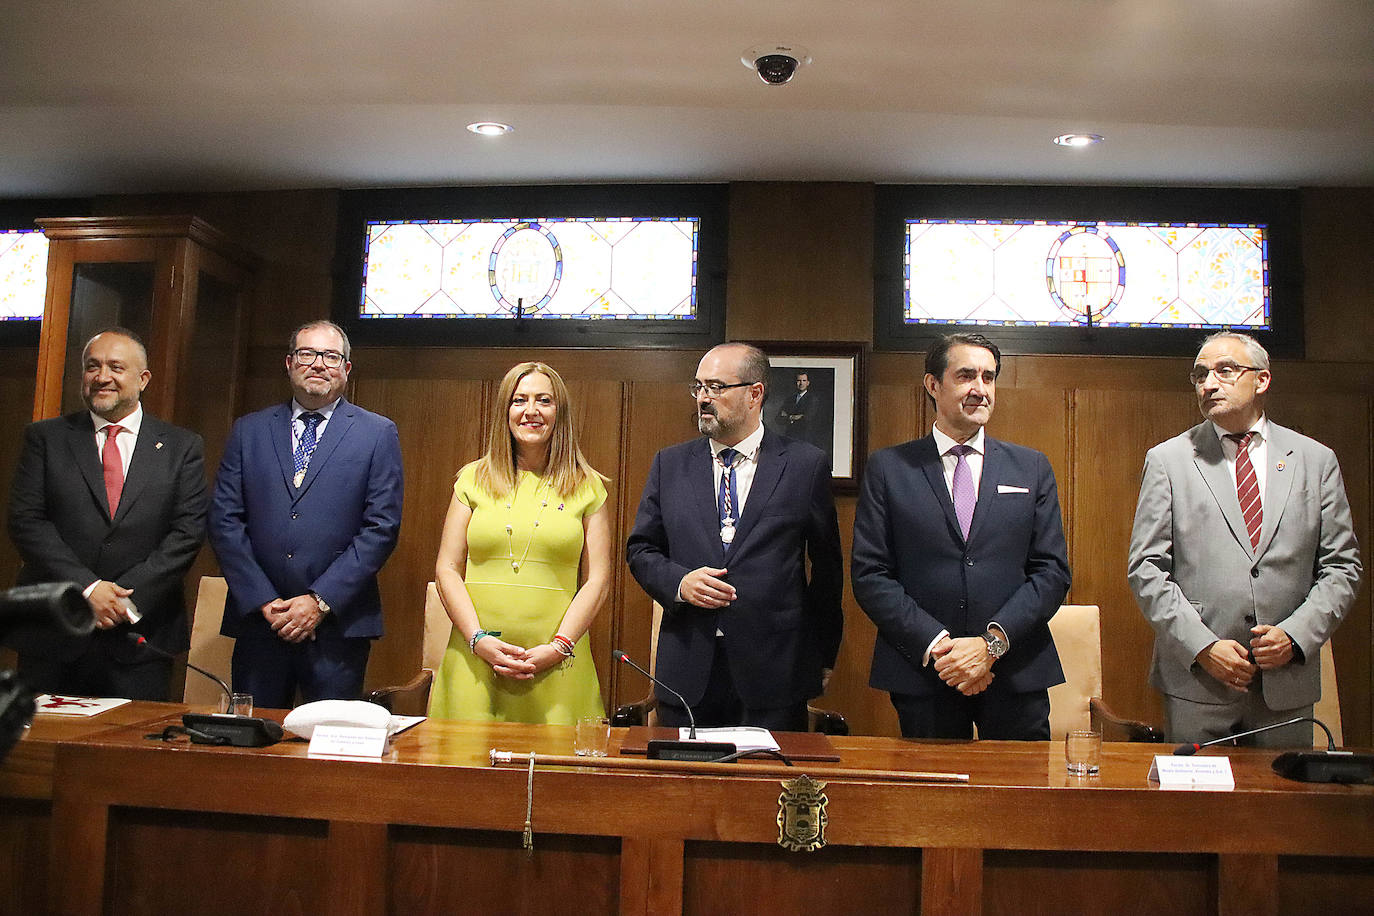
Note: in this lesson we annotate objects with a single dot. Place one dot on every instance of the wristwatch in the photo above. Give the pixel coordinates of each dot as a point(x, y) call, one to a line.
point(997, 646)
point(324, 605)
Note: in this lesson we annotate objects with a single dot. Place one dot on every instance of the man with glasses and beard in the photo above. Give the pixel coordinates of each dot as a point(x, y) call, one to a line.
point(725, 526)
point(306, 509)
point(1242, 558)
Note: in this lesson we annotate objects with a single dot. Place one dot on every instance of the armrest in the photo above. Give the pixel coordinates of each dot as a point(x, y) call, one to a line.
point(636, 713)
point(1120, 728)
point(826, 721)
point(408, 699)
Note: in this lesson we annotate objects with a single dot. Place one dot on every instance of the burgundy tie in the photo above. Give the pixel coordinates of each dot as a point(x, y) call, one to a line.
point(1247, 487)
point(113, 467)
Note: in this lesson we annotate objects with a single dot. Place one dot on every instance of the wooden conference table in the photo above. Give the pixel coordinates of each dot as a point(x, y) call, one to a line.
point(96, 818)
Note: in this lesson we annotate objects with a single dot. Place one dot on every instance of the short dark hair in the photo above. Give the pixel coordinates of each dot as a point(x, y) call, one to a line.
point(321, 323)
point(937, 357)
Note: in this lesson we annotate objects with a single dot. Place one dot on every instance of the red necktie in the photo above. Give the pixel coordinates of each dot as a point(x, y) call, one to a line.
point(1247, 487)
point(113, 467)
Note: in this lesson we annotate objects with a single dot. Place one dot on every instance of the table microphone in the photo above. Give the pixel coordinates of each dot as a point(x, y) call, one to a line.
point(691, 749)
point(138, 640)
point(219, 728)
point(1329, 765)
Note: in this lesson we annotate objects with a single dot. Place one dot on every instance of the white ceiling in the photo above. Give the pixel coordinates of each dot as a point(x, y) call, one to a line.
point(103, 96)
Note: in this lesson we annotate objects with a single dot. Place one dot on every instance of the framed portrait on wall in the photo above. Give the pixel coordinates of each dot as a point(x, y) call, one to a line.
point(816, 393)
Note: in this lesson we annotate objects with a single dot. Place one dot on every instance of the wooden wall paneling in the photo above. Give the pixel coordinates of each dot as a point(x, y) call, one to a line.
point(660, 413)
point(441, 425)
point(1341, 420)
point(1338, 275)
point(1039, 418)
point(599, 413)
point(17, 377)
point(1113, 430)
point(801, 261)
point(895, 415)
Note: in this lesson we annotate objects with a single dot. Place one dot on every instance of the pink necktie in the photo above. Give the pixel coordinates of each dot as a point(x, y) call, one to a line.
point(1247, 487)
point(964, 496)
point(113, 467)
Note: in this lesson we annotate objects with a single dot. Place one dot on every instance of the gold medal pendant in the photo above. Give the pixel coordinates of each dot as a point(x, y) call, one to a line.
point(727, 531)
point(300, 476)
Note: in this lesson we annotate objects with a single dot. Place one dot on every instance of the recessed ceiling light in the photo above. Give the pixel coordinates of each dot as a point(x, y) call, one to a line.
point(490, 128)
point(1078, 139)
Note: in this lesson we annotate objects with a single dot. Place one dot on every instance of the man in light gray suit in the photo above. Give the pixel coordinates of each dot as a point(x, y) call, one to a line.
point(1242, 558)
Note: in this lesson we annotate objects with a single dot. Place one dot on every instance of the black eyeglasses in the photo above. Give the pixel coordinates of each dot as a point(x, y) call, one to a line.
point(714, 389)
point(305, 356)
point(1226, 373)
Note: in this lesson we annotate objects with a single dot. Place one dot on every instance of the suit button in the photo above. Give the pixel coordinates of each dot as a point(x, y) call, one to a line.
point(963, 604)
point(295, 515)
point(1254, 572)
point(1250, 619)
point(290, 555)
point(968, 561)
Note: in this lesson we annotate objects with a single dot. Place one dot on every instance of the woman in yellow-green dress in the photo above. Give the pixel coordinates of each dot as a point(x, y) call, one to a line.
point(522, 518)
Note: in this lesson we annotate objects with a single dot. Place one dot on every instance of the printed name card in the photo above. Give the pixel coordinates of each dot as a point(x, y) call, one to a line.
point(1192, 772)
point(347, 741)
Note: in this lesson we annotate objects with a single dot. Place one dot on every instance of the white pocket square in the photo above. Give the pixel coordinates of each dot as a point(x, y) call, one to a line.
point(1003, 488)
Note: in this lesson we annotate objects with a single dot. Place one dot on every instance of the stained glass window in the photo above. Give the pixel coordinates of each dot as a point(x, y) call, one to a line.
point(23, 274)
point(556, 267)
point(1066, 273)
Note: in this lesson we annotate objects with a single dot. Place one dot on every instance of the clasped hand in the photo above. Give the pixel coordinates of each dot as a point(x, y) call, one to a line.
point(107, 604)
point(963, 663)
point(509, 660)
point(293, 619)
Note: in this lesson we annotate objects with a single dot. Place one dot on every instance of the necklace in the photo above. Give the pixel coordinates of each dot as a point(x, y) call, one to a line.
point(510, 528)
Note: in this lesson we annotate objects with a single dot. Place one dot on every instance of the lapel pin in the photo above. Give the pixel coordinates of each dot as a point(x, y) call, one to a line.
point(1281, 465)
point(157, 445)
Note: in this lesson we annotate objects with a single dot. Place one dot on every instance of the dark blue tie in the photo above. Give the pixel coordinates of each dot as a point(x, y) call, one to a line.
point(306, 447)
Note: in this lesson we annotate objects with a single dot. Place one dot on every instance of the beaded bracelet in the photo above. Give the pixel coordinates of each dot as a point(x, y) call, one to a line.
point(472, 643)
point(563, 644)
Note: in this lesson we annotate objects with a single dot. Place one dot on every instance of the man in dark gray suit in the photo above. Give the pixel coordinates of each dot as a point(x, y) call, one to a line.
point(114, 500)
point(1242, 557)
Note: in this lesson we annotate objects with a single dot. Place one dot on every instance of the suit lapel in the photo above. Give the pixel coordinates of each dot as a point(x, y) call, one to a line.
point(993, 465)
point(281, 444)
point(81, 444)
point(143, 466)
point(1282, 458)
point(928, 456)
point(1211, 464)
point(701, 487)
point(772, 461)
point(334, 433)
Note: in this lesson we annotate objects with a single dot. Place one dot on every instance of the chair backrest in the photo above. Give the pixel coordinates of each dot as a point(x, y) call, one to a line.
point(1077, 633)
point(1328, 708)
point(437, 630)
point(209, 649)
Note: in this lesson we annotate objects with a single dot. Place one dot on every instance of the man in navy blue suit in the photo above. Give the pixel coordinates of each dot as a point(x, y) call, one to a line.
point(721, 540)
point(959, 558)
point(306, 509)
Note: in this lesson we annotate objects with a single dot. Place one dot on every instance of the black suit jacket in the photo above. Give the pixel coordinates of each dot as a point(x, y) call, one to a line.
point(59, 519)
point(914, 574)
point(783, 628)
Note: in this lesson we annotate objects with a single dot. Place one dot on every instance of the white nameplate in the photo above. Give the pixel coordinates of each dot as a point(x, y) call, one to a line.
point(347, 741)
point(1192, 772)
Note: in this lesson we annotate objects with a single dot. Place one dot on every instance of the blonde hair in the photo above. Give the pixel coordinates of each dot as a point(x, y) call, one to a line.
point(567, 469)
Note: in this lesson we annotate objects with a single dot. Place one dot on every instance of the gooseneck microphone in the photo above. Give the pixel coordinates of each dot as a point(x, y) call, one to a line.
point(1188, 750)
point(692, 749)
point(619, 656)
point(138, 640)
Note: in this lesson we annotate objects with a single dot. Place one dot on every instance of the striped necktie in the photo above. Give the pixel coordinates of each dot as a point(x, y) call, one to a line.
point(1247, 487)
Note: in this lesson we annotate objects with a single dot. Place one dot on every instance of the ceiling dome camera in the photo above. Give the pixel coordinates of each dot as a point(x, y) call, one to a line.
point(775, 64)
